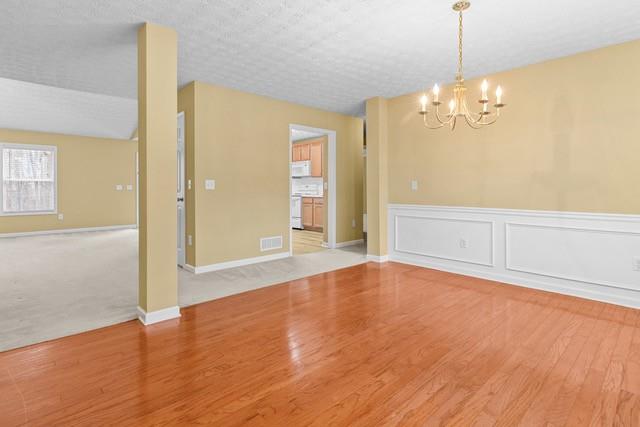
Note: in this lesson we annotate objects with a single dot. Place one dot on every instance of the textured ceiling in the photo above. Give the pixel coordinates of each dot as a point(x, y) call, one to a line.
point(323, 53)
point(43, 108)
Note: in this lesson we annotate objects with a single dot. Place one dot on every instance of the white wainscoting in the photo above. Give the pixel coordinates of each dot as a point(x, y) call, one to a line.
point(594, 256)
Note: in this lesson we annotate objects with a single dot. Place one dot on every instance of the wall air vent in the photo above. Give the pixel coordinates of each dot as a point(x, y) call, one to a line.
point(270, 243)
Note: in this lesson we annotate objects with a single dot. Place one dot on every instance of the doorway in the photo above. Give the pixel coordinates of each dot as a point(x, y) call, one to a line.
point(312, 183)
point(180, 192)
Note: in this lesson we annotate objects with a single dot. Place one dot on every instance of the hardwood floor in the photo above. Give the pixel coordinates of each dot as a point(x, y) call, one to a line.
point(306, 241)
point(370, 345)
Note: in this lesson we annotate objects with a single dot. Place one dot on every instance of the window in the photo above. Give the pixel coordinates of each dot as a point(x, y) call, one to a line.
point(28, 179)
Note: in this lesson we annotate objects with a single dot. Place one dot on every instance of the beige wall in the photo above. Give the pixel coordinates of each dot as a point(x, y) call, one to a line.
point(88, 171)
point(186, 99)
point(377, 176)
point(157, 121)
point(242, 140)
point(569, 140)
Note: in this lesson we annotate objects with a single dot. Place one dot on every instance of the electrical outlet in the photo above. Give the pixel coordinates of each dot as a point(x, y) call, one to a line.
point(209, 184)
point(188, 184)
point(119, 187)
point(60, 217)
point(463, 243)
point(353, 223)
point(636, 264)
point(414, 185)
point(190, 240)
point(129, 187)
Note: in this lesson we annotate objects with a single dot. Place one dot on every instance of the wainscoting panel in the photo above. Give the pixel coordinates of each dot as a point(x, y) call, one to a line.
point(594, 256)
point(454, 239)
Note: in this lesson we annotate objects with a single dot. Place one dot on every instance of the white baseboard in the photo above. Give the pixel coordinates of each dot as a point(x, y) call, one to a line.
point(349, 243)
point(158, 315)
point(236, 263)
point(68, 230)
point(377, 258)
point(588, 255)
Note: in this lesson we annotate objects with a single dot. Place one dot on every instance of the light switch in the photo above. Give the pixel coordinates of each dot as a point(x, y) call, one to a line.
point(119, 187)
point(129, 187)
point(326, 185)
point(414, 185)
point(60, 217)
point(209, 184)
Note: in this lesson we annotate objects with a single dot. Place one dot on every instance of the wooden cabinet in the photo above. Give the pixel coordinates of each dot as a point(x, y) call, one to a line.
point(309, 151)
point(313, 213)
point(315, 155)
point(318, 213)
point(307, 212)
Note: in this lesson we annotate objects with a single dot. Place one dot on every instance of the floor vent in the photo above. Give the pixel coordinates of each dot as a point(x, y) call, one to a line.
point(270, 243)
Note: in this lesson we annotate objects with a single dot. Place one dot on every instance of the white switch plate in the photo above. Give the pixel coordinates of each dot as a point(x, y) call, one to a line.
point(353, 223)
point(188, 184)
point(414, 185)
point(209, 184)
point(636, 264)
point(129, 187)
point(119, 187)
point(190, 240)
point(60, 217)
point(326, 185)
point(463, 244)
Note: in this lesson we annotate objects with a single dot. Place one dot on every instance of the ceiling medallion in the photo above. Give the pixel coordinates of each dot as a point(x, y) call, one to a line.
point(458, 107)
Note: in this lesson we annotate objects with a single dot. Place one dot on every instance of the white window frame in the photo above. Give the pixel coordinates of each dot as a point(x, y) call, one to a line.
point(51, 148)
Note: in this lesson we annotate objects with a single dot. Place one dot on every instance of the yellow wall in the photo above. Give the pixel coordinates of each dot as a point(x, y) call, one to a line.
point(377, 176)
point(88, 171)
point(569, 140)
point(157, 127)
point(186, 99)
point(242, 140)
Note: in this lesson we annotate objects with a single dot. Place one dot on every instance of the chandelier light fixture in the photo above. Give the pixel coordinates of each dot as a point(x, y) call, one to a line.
point(458, 108)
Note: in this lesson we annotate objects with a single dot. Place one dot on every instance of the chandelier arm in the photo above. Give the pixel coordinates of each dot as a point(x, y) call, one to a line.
point(444, 122)
point(472, 124)
point(428, 125)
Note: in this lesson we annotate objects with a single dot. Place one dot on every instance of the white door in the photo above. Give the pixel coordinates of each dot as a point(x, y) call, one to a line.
point(181, 211)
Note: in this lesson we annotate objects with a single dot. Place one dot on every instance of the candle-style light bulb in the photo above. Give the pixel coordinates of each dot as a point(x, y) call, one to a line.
point(423, 103)
point(499, 95)
point(436, 92)
point(452, 106)
point(485, 88)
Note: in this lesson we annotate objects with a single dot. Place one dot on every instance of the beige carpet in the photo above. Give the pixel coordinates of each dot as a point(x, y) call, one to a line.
point(58, 285)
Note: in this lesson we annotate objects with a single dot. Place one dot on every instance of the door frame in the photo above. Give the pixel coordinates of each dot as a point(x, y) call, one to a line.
point(182, 177)
point(331, 182)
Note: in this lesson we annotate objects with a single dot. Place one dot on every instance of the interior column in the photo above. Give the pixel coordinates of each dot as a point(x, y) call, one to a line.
point(157, 136)
point(377, 179)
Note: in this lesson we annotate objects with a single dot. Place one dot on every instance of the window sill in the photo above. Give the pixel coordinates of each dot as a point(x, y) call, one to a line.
point(3, 214)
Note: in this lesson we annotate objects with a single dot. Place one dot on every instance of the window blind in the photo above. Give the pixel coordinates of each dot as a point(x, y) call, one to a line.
point(28, 180)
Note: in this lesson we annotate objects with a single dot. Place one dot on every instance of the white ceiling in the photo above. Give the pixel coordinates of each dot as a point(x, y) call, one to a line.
point(43, 108)
point(298, 135)
point(331, 54)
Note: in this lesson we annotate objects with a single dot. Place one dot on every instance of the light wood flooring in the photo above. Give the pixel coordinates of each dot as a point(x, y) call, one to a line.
point(370, 345)
point(307, 241)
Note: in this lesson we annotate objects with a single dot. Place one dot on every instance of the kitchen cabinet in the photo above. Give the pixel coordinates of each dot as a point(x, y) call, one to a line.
point(318, 212)
point(309, 151)
point(315, 155)
point(313, 213)
point(307, 212)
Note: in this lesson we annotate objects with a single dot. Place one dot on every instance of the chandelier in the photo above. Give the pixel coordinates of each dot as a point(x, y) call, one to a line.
point(458, 107)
